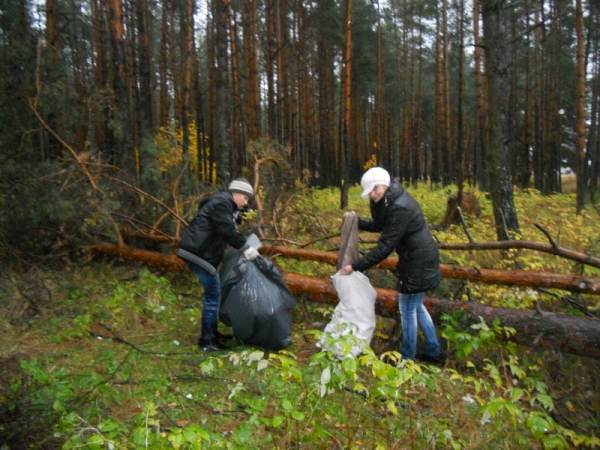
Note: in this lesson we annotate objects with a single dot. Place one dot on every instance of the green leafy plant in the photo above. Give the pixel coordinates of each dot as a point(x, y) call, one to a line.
point(464, 342)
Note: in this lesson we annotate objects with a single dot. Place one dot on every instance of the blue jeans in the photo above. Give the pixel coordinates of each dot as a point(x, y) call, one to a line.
point(212, 300)
point(413, 313)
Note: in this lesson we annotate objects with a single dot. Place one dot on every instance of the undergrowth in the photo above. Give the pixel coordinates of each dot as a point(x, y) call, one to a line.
point(104, 357)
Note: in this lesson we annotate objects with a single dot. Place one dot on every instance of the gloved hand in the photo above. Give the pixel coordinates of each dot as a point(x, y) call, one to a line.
point(251, 253)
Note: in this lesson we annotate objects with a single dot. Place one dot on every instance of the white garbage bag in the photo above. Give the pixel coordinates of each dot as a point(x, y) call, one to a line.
point(353, 321)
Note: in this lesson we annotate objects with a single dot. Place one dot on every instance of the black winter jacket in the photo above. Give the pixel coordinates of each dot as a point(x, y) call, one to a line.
point(212, 229)
point(399, 219)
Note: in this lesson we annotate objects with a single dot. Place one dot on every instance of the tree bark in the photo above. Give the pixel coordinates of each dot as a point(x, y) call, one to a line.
point(250, 29)
point(187, 32)
point(163, 109)
point(593, 140)
point(481, 137)
point(269, 57)
point(346, 105)
point(570, 334)
point(145, 77)
point(237, 129)
point(325, 163)
point(501, 189)
point(580, 141)
point(221, 115)
point(122, 152)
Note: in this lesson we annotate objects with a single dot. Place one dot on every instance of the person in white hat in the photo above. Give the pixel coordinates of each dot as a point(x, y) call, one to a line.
point(398, 217)
point(202, 247)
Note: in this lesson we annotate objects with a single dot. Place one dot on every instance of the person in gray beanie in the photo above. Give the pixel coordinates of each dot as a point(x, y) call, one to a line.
point(202, 247)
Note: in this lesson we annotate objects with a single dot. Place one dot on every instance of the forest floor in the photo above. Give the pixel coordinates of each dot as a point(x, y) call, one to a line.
point(98, 341)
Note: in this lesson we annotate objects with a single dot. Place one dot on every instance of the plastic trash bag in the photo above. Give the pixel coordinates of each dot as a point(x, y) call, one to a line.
point(255, 301)
point(353, 321)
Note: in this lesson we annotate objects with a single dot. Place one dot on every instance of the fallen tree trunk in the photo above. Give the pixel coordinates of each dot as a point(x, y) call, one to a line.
point(579, 257)
point(570, 334)
point(551, 248)
point(560, 332)
point(524, 278)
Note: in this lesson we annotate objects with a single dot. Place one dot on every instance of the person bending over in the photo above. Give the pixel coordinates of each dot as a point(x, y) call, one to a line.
point(398, 217)
point(202, 247)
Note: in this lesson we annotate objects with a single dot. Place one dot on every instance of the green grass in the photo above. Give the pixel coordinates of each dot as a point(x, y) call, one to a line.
point(104, 356)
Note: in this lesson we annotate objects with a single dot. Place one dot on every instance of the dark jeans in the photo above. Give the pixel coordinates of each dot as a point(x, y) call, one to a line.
point(212, 300)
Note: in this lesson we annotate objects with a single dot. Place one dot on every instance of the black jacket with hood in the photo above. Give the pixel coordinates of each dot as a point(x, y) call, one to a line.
point(399, 219)
point(211, 230)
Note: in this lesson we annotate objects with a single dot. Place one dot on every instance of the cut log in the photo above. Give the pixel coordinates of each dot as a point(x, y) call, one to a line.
point(522, 278)
point(561, 332)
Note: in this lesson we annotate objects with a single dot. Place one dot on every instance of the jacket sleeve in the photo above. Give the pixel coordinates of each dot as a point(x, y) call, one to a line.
point(365, 224)
point(224, 226)
point(393, 230)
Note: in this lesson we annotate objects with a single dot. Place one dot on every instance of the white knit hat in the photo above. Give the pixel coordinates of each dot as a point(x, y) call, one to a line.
point(375, 176)
point(242, 186)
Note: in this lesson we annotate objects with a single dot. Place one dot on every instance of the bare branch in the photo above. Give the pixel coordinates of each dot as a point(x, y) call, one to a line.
point(546, 233)
point(464, 224)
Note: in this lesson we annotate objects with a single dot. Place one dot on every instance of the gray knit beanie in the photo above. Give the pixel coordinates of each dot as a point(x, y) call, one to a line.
point(242, 186)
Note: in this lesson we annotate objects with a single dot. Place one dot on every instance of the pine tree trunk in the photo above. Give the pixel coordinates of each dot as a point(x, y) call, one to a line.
point(328, 146)
point(163, 109)
point(501, 189)
point(146, 84)
point(250, 43)
point(187, 39)
point(52, 148)
point(237, 133)
point(580, 143)
point(270, 55)
point(221, 132)
point(481, 93)
point(122, 152)
point(100, 72)
point(346, 104)
point(524, 169)
point(460, 145)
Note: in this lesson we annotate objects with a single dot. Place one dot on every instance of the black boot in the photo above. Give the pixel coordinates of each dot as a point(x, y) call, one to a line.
point(211, 340)
point(439, 360)
point(212, 345)
point(223, 337)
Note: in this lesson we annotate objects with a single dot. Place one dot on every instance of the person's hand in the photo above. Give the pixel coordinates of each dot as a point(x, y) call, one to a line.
point(346, 270)
point(251, 253)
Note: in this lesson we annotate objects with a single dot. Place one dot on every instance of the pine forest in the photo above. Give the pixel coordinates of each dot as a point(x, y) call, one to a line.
point(491, 93)
point(119, 117)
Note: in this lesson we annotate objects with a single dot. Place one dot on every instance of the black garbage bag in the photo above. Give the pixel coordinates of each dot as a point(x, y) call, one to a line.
point(255, 301)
